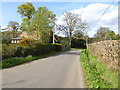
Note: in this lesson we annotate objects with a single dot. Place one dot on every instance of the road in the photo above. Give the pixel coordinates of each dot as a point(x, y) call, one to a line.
point(57, 71)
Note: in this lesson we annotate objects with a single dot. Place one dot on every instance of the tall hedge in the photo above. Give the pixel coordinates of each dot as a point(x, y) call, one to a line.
point(78, 43)
point(14, 50)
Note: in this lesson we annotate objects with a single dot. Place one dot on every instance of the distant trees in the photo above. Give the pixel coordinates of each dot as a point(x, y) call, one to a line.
point(104, 33)
point(12, 32)
point(8, 35)
point(14, 25)
point(39, 22)
point(78, 35)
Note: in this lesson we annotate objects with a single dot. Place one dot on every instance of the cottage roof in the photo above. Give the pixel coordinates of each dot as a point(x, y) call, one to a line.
point(16, 38)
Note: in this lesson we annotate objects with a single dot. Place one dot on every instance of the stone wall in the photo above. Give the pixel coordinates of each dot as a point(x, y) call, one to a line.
point(107, 51)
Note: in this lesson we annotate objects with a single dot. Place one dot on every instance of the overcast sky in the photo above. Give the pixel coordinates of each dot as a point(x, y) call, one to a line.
point(89, 11)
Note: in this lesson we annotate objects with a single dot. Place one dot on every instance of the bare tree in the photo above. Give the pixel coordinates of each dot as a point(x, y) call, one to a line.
point(72, 22)
point(85, 29)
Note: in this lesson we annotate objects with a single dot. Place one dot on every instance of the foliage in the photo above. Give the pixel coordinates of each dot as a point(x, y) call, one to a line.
point(8, 50)
point(8, 35)
point(97, 75)
point(104, 33)
point(10, 62)
point(12, 33)
point(78, 34)
point(37, 23)
point(14, 50)
point(42, 23)
point(27, 41)
point(0, 51)
point(26, 10)
point(58, 46)
point(15, 61)
point(14, 25)
point(78, 43)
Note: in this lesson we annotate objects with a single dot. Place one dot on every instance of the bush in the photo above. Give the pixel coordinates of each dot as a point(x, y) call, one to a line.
point(8, 50)
point(27, 41)
point(14, 50)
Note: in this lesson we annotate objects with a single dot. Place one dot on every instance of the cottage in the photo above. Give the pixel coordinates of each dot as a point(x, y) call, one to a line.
point(16, 40)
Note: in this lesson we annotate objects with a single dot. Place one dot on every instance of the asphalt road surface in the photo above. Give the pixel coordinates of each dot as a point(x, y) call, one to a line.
point(57, 71)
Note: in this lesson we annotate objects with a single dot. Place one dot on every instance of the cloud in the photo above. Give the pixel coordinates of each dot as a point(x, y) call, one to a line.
point(92, 12)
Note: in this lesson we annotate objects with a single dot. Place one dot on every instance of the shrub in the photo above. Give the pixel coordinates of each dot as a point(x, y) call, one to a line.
point(27, 41)
point(8, 50)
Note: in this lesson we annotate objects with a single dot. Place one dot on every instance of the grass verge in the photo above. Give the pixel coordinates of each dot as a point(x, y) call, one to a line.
point(11, 62)
point(96, 74)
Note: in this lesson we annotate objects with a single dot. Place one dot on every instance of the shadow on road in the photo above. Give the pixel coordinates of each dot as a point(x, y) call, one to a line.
point(13, 82)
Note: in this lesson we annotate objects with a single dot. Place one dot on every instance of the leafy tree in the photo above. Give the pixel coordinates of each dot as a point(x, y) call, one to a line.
point(42, 24)
point(25, 24)
point(26, 10)
point(38, 24)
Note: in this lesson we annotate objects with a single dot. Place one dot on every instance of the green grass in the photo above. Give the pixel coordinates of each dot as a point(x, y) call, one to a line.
point(96, 74)
point(11, 62)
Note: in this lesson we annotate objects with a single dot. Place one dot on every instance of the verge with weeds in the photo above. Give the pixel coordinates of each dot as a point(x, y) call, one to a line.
point(96, 74)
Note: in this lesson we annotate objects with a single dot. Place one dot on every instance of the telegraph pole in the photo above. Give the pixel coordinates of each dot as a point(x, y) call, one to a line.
point(54, 34)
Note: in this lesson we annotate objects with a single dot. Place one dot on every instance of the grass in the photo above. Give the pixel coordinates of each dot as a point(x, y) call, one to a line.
point(96, 74)
point(11, 62)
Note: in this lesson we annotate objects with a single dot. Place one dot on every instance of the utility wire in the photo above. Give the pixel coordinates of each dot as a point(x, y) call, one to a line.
point(104, 11)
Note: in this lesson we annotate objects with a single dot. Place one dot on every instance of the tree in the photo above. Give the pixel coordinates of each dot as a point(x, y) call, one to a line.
point(117, 37)
point(85, 28)
point(8, 35)
point(14, 25)
point(37, 23)
point(104, 33)
point(42, 24)
point(78, 34)
point(26, 10)
point(72, 22)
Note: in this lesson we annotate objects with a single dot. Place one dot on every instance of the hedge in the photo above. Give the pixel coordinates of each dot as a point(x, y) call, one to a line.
point(15, 50)
point(78, 43)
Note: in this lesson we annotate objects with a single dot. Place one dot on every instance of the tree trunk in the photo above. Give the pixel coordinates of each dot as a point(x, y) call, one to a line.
point(70, 39)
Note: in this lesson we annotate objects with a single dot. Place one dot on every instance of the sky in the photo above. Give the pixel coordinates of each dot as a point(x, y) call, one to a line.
point(89, 11)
